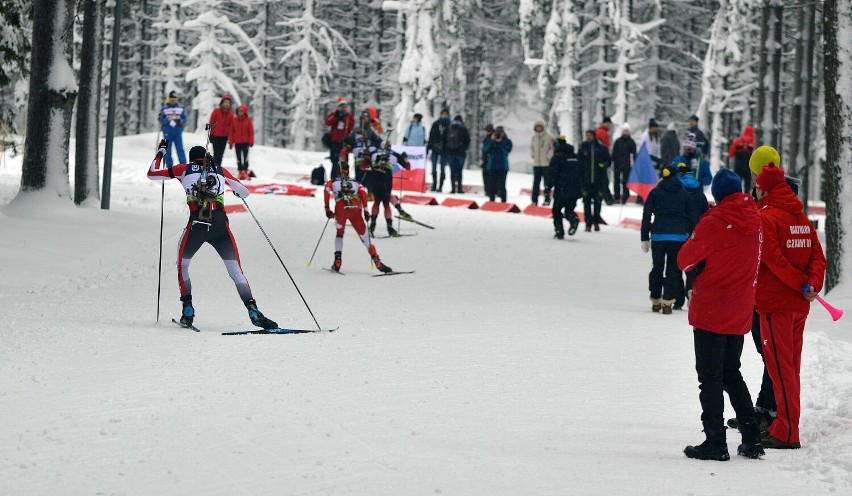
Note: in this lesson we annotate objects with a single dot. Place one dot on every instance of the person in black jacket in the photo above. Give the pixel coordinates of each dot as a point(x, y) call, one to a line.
point(669, 147)
point(593, 159)
point(456, 142)
point(699, 205)
point(671, 208)
point(565, 179)
point(435, 146)
point(623, 155)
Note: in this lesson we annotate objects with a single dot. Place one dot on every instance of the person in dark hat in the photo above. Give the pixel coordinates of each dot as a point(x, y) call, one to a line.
point(497, 146)
point(456, 143)
point(341, 123)
point(415, 133)
point(435, 147)
point(701, 142)
point(487, 131)
point(651, 139)
point(593, 160)
point(172, 121)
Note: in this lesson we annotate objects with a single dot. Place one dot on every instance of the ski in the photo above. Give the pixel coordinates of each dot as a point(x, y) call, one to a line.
point(398, 235)
point(186, 326)
point(334, 271)
point(415, 221)
point(277, 331)
point(394, 273)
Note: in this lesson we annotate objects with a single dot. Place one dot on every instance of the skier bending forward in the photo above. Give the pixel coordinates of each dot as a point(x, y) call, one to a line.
point(204, 184)
point(350, 200)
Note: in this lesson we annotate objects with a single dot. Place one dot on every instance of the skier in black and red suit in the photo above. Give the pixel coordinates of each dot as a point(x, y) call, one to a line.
point(379, 182)
point(350, 201)
point(207, 224)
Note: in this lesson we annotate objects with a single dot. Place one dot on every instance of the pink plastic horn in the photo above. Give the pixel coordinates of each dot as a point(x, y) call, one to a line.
point(836, 313)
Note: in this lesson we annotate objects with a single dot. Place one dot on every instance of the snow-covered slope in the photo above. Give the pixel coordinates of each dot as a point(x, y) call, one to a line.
point(509, 363)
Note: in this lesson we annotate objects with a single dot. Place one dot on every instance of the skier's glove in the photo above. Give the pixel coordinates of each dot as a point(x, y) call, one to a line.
point(162, 147)
point(366, 216)
point(646, 245)
point(329, 213)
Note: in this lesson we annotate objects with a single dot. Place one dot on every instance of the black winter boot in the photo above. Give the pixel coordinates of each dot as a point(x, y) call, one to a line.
point(337, 262)
point(713, 448)
point(751, 446)
point(373, 227)
point(575, 222)
point(434, 181)
point(256, 317)
point(391, 231)
point(188, 313)
point(441, 184)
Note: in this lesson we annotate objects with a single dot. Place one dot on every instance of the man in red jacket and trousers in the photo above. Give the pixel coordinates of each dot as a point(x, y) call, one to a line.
point(720, 312)
point(341, 123)
point(791, 274)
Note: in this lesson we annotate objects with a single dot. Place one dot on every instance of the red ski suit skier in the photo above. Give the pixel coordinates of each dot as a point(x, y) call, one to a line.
point(792, 257)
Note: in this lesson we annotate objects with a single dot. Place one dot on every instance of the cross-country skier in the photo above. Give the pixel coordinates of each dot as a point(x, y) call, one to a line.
point(204, 184)
point(362, 143)
point(350, 201)
point(379, 182)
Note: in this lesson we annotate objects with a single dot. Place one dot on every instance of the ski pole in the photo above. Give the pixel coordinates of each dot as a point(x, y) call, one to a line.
point(282, 263)
point(160, 268)
point(318, 242)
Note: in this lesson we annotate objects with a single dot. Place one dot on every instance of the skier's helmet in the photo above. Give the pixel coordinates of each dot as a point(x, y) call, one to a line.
point(197, 153)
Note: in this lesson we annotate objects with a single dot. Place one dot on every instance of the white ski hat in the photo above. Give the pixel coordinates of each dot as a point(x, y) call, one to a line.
point(625, 126)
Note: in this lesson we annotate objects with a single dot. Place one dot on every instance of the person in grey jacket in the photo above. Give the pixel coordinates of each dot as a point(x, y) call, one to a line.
point(541, 150)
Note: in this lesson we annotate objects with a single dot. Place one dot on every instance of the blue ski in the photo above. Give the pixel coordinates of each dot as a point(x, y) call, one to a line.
point(276, 331)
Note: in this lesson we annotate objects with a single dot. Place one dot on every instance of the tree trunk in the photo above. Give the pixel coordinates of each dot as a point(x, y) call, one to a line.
point(807, 108)
point(838, 137)
point(53, 90)
point(793, 160)
point(762, 69)
point(88, 105)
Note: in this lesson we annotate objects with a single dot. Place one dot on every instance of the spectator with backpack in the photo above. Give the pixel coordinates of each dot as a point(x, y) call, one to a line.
point(456, 142)
point(741, 150)
point(435, 147)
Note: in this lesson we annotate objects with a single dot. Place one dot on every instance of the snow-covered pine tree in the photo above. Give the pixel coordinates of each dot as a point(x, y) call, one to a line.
point(838, 135)
point(170, 56)
point(86, 170)
point(266, 39)
point(14, 60)
point(769, 77)
point(53, 90)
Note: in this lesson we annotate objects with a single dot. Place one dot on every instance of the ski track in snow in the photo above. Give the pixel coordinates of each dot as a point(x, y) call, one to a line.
point(510, 363)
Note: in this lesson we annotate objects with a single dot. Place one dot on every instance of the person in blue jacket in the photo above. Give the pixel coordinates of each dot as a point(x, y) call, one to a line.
point(670, 206)
point(172, 120)
point(692, 158)
point(497, 147)
point(699, 206)
point(415, 133)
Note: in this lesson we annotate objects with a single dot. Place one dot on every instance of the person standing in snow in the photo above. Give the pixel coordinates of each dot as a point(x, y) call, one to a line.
point(350, 202)
point(415, 133)
point(730, 231)
point(701, 141)
point(741, 150)
point(651, 140)
point(602, 134)
point(593, 160)
point(541, 151)
point(669, 146)
point(623, 155)
point(220, 122)
point(497, 147)
point(204, 182)
point(792, 268)
point(172, 121)
point(242, 138)
point(565, 178)
point(341, 123)
point(698, 164)
point(435, 147)
point(699, 205)
point(668, 203)
point(456, 143)
point(487, 131)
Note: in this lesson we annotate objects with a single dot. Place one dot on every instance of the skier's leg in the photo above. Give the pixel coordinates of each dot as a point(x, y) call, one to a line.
point(226, 247)
point(190, 241)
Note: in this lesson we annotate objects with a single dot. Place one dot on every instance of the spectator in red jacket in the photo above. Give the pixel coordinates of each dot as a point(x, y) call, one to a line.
point(342, 123)
point(220, 128)
point(741, 150)
point(242, 138)
point(602, 135)
point(792, 268)
point(729, 232)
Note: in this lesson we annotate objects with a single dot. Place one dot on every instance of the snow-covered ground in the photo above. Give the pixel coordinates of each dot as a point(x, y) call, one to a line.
point(508, 364)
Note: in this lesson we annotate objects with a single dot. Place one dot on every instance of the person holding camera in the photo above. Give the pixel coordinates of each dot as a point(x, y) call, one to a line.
point(341, 122)
point(497, 146)
point(487, 131)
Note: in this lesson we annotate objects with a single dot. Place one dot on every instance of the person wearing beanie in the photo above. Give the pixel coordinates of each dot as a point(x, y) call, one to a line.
point(792, 268)
point(341, 123)
point(697, 164)
point(415, 133)
point(761, 157)
point(623, 155)
point(456, 143)
point(669, 206)
point(487, 132)
point(220, 122)
point(728, 232)
point(242, 138)
point(602, 132)
point(699, 204)
point(741, 150)
point(669, 146)
point(208, 223)
point(565, 178)
point(172, 122)
point(701, 141)
point(541, 151)
point(594, 160)
point(435, 147)
point(651, 140)
point(497, 147)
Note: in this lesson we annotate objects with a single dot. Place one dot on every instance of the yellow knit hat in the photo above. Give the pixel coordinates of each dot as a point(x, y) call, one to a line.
point(763, 156)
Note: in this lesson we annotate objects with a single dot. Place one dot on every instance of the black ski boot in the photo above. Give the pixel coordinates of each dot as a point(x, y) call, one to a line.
point(188, 313)
point(575, 222)
point(391, 231)
point(751, 446)
point(713, 448)
point(256, 317)
point(379, 265)
point(373, 227)
point(546, 200)
point(337, 262)
point(559, 234)
point(402, 213)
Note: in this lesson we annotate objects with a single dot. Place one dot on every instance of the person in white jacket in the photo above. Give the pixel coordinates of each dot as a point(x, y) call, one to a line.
point(651, 139)
point(541, 150)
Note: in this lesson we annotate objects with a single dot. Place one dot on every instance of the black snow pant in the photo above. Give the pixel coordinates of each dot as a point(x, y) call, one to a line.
point(664, 258)
point(242, 150)
point(619, 184)
point(567, 204)
point(717, 361)
point(766, 397)
point(219, 144)
point(539, 174)
point(592, 195)
point(334, 155)
point(497, 180)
